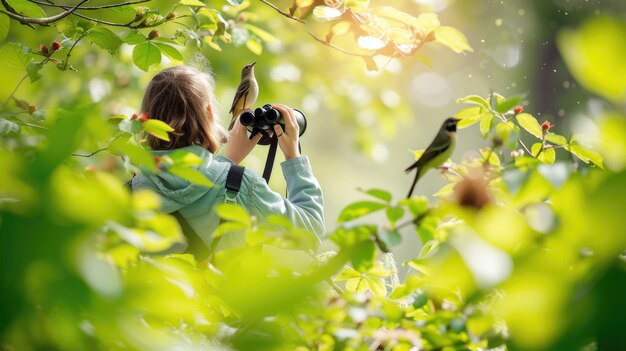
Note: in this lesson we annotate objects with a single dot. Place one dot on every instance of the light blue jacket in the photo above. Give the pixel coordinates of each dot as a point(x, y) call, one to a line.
point(304, 205)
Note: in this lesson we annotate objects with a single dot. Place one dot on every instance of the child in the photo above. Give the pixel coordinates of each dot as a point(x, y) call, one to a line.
point(183, 98)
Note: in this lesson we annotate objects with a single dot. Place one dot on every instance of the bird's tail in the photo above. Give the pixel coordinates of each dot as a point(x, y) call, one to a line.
point(411, 167)
point(417, 176)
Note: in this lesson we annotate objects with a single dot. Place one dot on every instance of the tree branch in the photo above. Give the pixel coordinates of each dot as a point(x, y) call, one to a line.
point(65, 7)
point(282, 12)
point(41, 21)
point(338, 48)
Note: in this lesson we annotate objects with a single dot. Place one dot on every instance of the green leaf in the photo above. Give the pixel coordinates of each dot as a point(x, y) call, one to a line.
point(475, 100)
point(453, 39)
point(363, 255)
point(171, 52)
point(416, 205)
point(325, 13)
point(26, 8)
point(161, 233)
point(595, 53)
point(546, 156)
point(233, 213)
point(254, 46)
point(468, 121)
point(493, 160)
point(185, 158)
point(376, 286)
point(134, 37)
point(390, 237)
point(359, 209)
point(394, 214)
point(556, 139)
point(190, 174)
point(196, 3)
point(138, 156)
point(348, 273)
point(145, 55)
point(8, 127)
point(5, 23)
point(33, 71)
point(105, 39)
point(585, 154)
point(158, 129)
point(508, 104)
point(378, 193)
point(14, 56)
point(529, 123)
point(263, 35)
point(130, 126)
point(509, 133)
point(485, 124)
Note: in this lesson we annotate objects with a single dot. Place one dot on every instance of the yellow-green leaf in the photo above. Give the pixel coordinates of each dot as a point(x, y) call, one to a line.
point(595, 54)
point(171, 52)
point(254, 46)
point(325, 13)
point(233, 213)
point(190, 174)
point(453, 39)
point(556, 139)
point(547, 155)
point(529, 123)
point(158, 128)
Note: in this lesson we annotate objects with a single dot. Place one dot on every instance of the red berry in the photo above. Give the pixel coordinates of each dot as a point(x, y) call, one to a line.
point(43, 49)
point(157, 161)
point(144, 117)
point(134, 117)
point(56, 45)
point(32, 108)
point(518, 109)
point(545, 126)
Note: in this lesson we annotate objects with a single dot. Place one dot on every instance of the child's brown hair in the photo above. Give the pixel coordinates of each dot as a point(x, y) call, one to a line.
point(182, 97)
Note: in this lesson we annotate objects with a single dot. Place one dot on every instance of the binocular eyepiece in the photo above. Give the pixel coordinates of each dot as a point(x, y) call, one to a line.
point(263, 119)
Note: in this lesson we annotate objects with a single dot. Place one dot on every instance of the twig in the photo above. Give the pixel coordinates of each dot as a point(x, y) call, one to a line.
point(415, 221)
point(15, 90)
point(526, 148)
point(31, 125)
point(100, 21)
point(69, 52)
point(91, 154)
point(41, 21)
point(282, 12)
point(336, 47)
point(65, 7)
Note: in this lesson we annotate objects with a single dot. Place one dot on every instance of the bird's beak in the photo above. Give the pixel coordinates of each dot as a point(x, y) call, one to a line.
point(456, 120)
point(253, 63)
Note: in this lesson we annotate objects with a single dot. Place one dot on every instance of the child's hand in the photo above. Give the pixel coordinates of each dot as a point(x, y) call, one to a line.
point(239, 145)
point(287, 139)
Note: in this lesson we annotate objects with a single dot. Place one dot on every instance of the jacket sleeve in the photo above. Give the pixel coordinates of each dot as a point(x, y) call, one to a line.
point(304, 205)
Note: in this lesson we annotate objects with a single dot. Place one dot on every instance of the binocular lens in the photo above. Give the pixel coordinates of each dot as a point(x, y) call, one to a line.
point(247, 119)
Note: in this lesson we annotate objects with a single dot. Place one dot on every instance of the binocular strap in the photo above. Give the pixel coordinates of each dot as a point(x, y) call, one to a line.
point(271, 156)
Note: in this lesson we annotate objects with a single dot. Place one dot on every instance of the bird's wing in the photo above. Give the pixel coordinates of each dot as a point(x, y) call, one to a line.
point(439, 145)
point(242, 92)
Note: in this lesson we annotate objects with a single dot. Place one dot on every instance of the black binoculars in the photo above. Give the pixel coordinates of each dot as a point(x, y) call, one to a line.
point(263, 119)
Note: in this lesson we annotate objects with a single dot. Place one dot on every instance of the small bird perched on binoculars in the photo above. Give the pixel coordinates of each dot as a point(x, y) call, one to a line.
point(437, 152)
point(246, 95)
